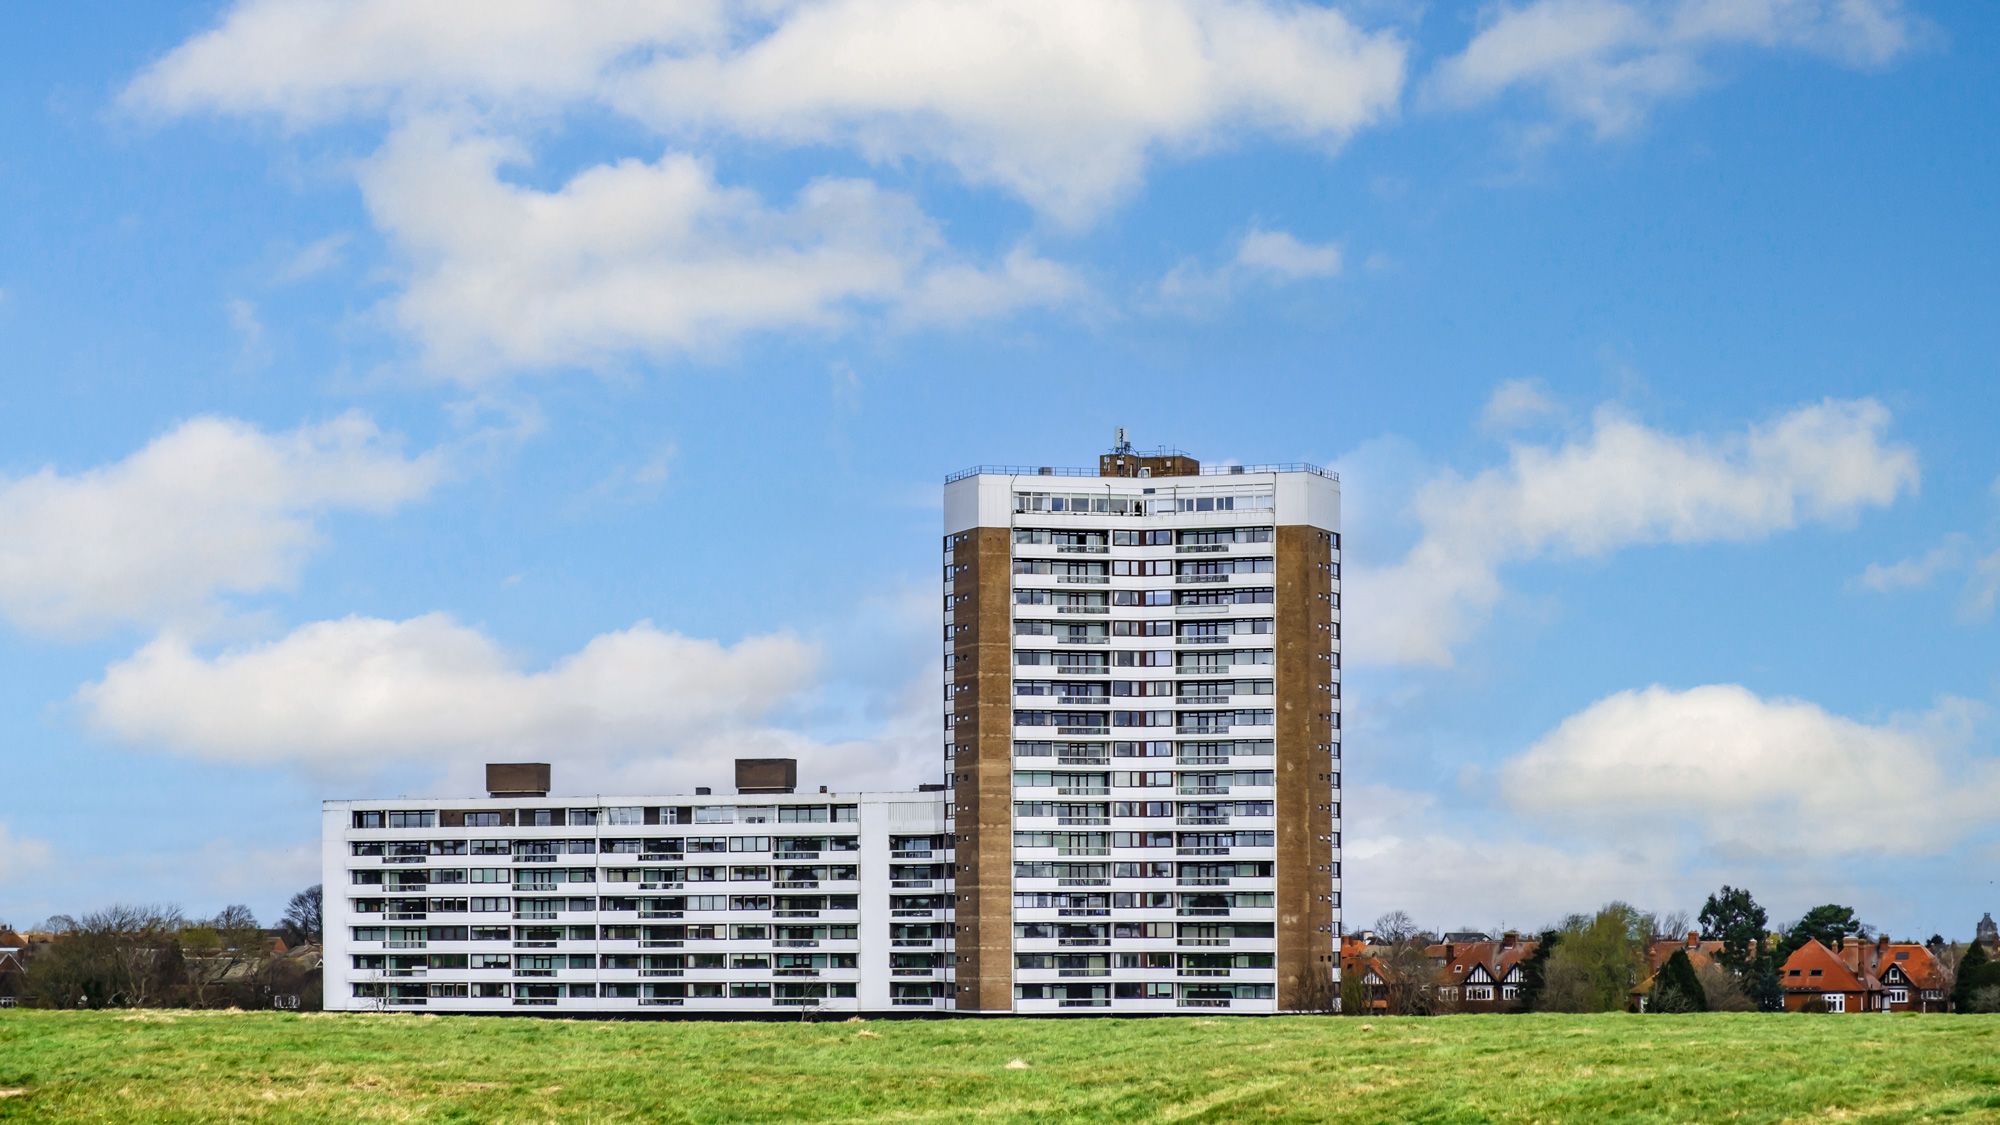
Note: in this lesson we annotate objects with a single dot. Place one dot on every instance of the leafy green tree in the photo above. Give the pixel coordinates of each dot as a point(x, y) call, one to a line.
point(1535, 970)
point(1676, 988)
point(1975, 970)
point(1733, 918)
point(1830, 925)
point(1763, 982)
point(1598, 961)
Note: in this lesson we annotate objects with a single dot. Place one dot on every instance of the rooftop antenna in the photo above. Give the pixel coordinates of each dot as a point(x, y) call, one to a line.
point(1122, 446)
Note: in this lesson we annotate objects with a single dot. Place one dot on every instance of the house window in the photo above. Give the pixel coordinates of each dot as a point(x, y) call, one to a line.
point(1479, 992)
point(1835, 1001)
point(1510, 992)
point(1899, 996)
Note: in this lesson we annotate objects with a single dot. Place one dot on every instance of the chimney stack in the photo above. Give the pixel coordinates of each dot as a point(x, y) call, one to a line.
point(517, 779)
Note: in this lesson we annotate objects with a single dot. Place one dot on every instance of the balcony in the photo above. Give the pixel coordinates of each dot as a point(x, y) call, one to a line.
point(1081, 760)
point(535, 915)
point(1083, 882)
point(663, 1001)
point(662, 972)
point(782, 857)
point(1083, 579)
point(795, 913)
point(1090, 609)
point(661, 857)
point(406, 1001)
point(796, 943)
point(1083, 791)
point(1189, 579)
point(1090, 1003)
point(1083, 851)
point(912, 884)
point(1199, 548)
point(1083, 821)
point(534, 1001)
point(656, 943)
point(659, 914)
point(1097, 732)
point(796, 884)
point(1197, 821)
point(418, 944)
point(1204, 881)
point(663, 886)
point(1203, 640)
point(925, 854)
point(1216, 1003)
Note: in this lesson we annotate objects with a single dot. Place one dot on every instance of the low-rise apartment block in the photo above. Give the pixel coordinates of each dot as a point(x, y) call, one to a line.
point(764, 900)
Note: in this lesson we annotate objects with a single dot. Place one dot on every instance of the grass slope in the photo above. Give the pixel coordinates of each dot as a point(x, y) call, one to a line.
point(190, 1066)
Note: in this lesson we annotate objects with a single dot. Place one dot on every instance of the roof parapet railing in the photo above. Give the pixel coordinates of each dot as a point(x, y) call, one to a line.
point(1067, 471)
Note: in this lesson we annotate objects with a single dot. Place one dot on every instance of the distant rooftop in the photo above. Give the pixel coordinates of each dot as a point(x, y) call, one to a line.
point(1104, 468)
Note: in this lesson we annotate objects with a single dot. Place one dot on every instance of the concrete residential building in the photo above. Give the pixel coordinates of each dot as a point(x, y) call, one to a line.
point(765, 900)
point(1142, 741)
point(1140, 809)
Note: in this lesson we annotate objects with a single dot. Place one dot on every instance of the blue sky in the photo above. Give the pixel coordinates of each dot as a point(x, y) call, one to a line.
point(387, 390)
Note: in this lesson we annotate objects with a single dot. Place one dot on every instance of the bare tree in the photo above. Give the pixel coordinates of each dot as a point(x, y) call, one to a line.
point(304, 918)
point(1404, 965)
point(1723, 989)
point(1674, 924)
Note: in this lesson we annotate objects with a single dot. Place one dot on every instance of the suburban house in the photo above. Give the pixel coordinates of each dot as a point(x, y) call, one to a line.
point(1701, 954)
point(1913, 980)
point(1841, 983)
point(1482, 975)
point(13, 954)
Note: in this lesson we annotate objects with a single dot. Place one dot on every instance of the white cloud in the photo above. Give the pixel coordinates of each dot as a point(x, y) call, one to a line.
point(1271, 257)
point(1515, 403)
point(251, 350)
point(1982, 590)
point(309, 61)
point(653, 259)
point(1060, 103)
point(214, 507)
point(1607, 62)
point(1760, 777)
point(1915, 572)
point(1280, 254)
point(364, 689)
point(1623, 484)
point(1402, 852)
point(313, 259)
point(637, 707)
point(1955, 554)
point(21, 856)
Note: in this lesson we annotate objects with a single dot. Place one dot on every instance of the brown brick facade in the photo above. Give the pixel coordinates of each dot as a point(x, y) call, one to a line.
point(1304, 760)
point(982, 731)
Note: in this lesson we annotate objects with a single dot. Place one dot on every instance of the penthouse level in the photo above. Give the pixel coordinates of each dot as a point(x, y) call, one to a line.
point(766, 900)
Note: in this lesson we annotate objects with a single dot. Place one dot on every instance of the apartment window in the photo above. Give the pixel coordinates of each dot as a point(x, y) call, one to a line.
point(482, 820)
point(367, 820)
point(488, 905)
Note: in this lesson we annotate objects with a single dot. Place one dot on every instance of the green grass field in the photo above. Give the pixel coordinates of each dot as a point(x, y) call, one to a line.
point(188, 1066)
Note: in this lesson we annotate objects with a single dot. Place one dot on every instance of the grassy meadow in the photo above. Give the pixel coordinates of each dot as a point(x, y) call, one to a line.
point(214, 1066)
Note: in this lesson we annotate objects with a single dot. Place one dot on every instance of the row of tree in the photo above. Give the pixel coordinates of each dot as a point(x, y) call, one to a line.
point(1593, 962)
point(154, 956)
